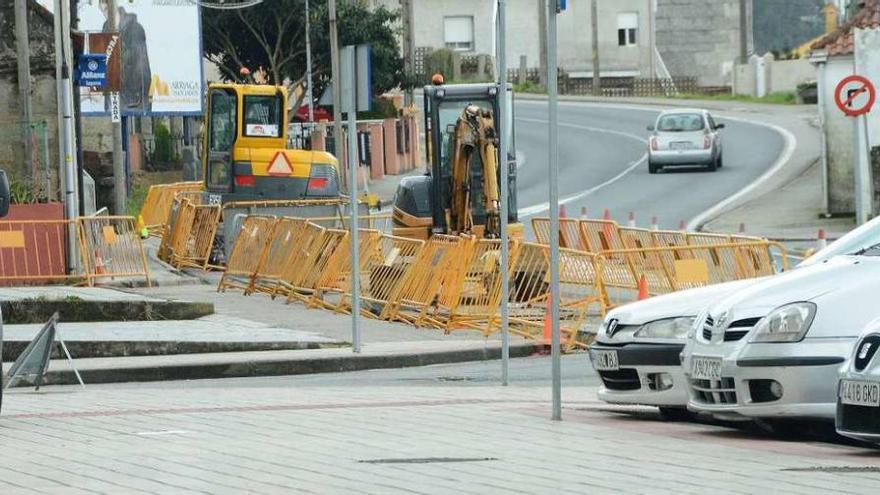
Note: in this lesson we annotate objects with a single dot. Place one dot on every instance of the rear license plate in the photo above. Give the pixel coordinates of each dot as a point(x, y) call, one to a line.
point(605, 360)
point(680, 145)
point(704, 368)
point(858, 393)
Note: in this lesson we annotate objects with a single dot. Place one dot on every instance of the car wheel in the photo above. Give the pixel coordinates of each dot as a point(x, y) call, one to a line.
point(652, 168)
point(675, 414)
point(712, 166)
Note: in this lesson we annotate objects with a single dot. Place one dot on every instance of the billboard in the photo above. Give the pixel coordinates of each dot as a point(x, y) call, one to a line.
point(161, 56)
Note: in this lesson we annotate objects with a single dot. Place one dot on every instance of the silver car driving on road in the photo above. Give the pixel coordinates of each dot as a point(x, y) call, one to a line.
point(684, 137)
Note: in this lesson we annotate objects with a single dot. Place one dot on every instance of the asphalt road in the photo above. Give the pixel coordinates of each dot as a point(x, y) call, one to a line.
point(603, 164)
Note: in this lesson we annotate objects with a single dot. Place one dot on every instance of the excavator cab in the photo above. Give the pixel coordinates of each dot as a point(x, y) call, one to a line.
point(422, 204)
point(245, 155)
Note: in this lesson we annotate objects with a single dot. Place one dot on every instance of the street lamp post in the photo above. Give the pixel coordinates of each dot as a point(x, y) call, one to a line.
point(553, 177)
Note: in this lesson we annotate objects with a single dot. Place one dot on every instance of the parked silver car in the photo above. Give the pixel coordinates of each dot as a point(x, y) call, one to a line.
point(685, 137)
point(858, 393)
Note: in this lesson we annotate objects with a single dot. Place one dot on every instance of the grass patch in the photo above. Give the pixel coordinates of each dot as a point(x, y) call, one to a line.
point(778, 98)
point(529, 87)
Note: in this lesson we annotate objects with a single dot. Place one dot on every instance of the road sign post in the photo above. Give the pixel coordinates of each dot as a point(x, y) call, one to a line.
point(503, 144)
point(356, 96)
point(855, 96)
point(553, 178)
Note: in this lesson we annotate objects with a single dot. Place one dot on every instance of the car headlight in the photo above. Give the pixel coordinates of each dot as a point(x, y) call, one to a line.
point(669, 328)
point(787, 323)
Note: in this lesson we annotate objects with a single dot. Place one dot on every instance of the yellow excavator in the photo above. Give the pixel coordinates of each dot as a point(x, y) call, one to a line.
point(461, 193)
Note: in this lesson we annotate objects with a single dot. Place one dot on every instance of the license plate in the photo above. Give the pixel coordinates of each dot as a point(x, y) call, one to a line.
point(605, 360)
point(859, 393)
point(682, 145)
point(706, 368)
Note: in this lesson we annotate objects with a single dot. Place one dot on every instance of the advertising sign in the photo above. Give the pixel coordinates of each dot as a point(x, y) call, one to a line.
point(160, 51)
point(91, 70)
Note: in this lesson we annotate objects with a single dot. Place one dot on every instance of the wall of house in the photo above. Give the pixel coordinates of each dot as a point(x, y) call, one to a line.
point(699, 38)
point(838, 130)
point(780, 75)
point(574, 46)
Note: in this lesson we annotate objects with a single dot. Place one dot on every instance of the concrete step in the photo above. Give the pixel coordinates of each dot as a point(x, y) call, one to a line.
point(275, 363)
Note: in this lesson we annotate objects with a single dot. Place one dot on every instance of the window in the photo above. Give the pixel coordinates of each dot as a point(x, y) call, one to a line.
point(627, 27)
point(680, 122)
point(262, 116)
point(458, 33)
point(222, 121)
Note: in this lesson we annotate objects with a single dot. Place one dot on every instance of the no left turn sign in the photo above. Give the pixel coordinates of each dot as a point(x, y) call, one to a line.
point(855, 95)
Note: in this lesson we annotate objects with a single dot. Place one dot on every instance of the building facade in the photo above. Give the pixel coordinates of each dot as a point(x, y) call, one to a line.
point(636, 38)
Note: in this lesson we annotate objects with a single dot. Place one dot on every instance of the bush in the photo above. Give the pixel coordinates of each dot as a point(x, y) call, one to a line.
point(163, 153)
point(529, 87)
point(439, 61)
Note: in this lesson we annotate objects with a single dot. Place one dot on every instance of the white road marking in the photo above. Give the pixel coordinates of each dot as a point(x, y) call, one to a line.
point(160, 432)
point(781, 161)
point(542, 207)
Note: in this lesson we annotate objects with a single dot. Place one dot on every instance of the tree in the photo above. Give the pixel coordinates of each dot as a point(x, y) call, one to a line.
point(271, 35)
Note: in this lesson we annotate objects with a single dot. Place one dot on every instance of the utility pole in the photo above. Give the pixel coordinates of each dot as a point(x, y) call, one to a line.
point(743, 32)
point(309, 67)
point(503, 144)
point(338, 145)
point(119, 192)
point(542, 43)
point(23, 51)
point(553, 178)
point(408, 48)
point(594, 42)
point(652, 42)
point(67, 159)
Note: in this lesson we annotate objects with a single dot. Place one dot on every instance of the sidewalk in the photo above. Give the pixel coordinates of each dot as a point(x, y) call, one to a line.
point(280, 436)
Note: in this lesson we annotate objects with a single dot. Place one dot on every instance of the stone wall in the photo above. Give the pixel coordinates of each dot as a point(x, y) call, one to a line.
point(699, 38)
point(43, 96)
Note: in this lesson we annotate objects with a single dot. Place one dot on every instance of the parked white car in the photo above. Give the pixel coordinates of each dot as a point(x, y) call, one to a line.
point(774, 349)
point(637, 351)
point(858, 393)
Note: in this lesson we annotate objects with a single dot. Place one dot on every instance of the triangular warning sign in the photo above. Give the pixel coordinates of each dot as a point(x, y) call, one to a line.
point(279, 165)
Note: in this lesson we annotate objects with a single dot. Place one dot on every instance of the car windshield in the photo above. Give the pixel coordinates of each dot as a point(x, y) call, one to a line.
point(863, 241)
point(680, 122)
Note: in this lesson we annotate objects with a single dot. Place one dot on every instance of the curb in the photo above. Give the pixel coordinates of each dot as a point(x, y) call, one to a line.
point(34, 311)
point(276, 367)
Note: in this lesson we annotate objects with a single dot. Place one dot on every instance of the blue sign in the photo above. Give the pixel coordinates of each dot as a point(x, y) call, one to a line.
point(91, 70)
point(561, 5)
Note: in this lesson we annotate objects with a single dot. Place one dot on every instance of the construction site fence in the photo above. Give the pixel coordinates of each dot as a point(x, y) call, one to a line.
point(36, 251)
point(447, 282)
point(157, 204)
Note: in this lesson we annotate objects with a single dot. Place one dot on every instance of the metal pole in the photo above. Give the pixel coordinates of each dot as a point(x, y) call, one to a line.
point(353, 220)
point(862, 171)
point(408, 48)
point(542, 42)
point(309, 67)
point(553, 177)
point(594, 41)
point(743, 34)
point(503, 143)
point(119, 190)
point(68, 157)
point(77, 120)
point(338, 145)
point(22, 48)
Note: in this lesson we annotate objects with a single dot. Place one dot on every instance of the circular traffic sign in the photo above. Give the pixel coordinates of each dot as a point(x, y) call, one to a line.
point(854, 95)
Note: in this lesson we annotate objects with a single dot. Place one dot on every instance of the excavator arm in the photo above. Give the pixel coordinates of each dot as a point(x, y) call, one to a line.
point(475, 135)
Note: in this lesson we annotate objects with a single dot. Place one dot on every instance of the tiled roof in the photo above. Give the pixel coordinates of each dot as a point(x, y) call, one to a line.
point(840, 41)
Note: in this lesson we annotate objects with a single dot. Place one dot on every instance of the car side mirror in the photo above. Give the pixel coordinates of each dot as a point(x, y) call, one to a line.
point(650, 128)
point(719, 126)
point(4, 194)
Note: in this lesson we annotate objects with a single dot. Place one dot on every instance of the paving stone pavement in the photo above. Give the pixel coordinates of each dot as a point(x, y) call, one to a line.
point(283, 436)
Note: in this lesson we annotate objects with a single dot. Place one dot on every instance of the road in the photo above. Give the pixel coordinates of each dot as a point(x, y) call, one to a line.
point(603, 164)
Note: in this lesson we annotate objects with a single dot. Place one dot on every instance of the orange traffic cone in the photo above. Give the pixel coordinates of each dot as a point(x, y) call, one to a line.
point(99, 262)
point(643, 288)
point(547, 337)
